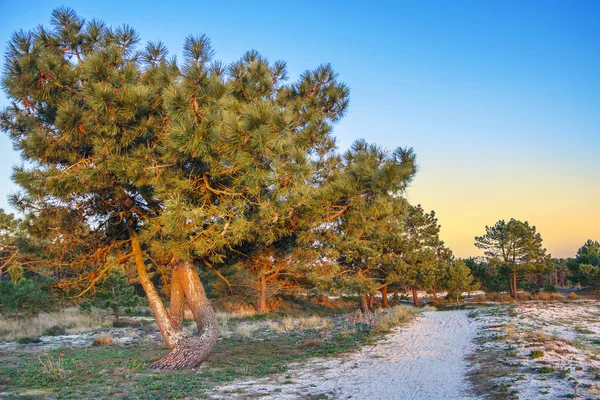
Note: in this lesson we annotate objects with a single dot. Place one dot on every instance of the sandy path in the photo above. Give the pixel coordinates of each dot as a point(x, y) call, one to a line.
point(425, 360)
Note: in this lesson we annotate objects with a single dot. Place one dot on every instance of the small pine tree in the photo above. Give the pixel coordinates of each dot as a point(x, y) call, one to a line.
point(114, 293)
point(459, 279)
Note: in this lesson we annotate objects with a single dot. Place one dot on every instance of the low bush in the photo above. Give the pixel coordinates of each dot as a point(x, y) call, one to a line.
point(572, 295)
point(28, 340)
point(55, 330)
point(536, 354)
point(545, 370)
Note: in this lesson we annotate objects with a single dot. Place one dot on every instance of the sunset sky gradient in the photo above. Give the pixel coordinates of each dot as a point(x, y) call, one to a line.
point(500, 99)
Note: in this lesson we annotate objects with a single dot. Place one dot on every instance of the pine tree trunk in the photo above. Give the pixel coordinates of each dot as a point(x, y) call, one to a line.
point(510, 286)
point(171, 335)
point(190, 352)
point(384, 297)
point(514, 282)
point(371, 301)
point(177, 303)
point(364, 303)
point(415, 297)
point(262, 294)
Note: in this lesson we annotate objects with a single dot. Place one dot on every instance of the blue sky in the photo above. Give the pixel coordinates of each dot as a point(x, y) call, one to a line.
point(500, 99)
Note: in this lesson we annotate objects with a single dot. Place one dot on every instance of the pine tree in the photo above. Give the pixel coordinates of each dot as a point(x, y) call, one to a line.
point(516, 247)
point(133, 157)
point(115, 293)
point(459, 279)
point(365, 203)
point(423, 254)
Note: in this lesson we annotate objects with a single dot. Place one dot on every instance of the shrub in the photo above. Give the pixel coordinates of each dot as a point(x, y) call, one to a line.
point(55, 330)
point(28, 295)
point(536, 354)
point(545, 370)
point(28, 340)
point(572, 295)
point(128, 323)
point(549, 287)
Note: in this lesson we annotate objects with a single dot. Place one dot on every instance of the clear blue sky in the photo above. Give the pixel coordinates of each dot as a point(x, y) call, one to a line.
point(500, 99)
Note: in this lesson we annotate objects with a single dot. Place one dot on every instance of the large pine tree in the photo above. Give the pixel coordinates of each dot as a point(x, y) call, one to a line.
point(132, 157)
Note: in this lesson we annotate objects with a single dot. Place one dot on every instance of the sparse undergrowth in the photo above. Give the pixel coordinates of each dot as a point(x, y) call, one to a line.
point(250, 346)
point(537, 351)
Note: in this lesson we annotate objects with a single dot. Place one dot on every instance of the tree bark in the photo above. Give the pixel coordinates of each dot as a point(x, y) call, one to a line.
point(364, 303)
point(177, 303)
point(415, 297)
point(170, 334)
point(510, 286)
point(384, 297)
point(190, 352)
point(262, 293)
point(514, 282)
point(371, 301)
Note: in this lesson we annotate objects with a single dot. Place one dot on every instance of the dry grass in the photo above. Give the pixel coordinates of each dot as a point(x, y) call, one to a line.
point(291, 323)
point(76, 321)
point(102, 340)
point(499, 297)
point(247, 330)
point(386, 319)
point(52, 366)
point(546, 296)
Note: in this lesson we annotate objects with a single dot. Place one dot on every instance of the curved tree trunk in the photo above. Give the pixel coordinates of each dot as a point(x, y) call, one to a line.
point(190, 352)
point(187, 352)
point(171, 335)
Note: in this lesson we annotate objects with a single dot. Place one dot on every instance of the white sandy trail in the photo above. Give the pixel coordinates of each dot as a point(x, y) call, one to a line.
point(425, 360)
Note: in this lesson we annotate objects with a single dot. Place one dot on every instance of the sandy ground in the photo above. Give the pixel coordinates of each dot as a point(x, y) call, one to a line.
point(566, 338)
point(425, 360)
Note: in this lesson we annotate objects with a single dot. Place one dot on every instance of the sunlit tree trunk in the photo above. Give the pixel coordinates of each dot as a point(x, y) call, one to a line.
point(171, 335)
point(384, 297)
point(415, 297)
point(191, 351)
point(364, 302)
point(262, 293)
